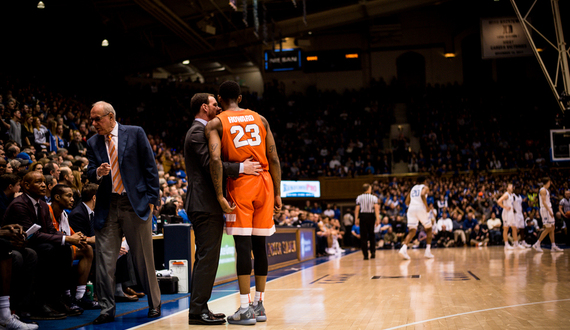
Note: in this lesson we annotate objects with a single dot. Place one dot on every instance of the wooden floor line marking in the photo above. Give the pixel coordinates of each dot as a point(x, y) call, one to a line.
point(473, 312)
point(318, 279)
point(478, 279)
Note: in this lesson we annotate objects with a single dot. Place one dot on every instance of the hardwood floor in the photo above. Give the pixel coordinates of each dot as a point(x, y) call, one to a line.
point(462, 288)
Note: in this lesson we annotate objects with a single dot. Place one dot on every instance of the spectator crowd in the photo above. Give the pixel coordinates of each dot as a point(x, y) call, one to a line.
point(464, 210)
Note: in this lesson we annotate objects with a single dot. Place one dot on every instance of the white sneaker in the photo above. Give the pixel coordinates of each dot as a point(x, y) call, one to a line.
point(14, 323)
point(428, 255)
point(520, 247)
point(536, 246)
point(330, 251)
point(555, 249)
point(404, 253)
point(525, 244)
point(508, 247)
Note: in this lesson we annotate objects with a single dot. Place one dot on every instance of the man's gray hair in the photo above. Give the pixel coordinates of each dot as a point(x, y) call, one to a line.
point(107, 107)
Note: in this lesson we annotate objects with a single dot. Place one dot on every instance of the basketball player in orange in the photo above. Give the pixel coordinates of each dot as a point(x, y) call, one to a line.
point(236, 135)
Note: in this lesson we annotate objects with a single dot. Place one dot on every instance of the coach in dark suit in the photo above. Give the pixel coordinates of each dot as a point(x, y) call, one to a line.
point(203, 208)
point(122, 163)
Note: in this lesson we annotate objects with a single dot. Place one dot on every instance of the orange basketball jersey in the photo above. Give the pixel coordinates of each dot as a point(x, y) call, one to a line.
point(243, 136)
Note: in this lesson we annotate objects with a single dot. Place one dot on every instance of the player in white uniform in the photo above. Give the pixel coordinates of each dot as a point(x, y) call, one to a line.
point(547, 216)
point(519, 216)
point(506, 202)
point(417, 212)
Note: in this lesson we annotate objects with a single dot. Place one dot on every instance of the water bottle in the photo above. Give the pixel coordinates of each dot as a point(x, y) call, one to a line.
point(89, 290)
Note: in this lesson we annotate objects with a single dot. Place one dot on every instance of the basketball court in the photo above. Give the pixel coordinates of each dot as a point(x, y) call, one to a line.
point(462, 288)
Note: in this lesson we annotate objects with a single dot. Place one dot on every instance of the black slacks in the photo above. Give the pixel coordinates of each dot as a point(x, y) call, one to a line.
point(53, 270)
point(367, 233)
point(24, 264)
point(208, 229)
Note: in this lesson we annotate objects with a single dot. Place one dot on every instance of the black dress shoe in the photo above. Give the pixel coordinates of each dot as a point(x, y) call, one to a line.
point(217, 315)
point(126, 298)
point(104, 318)
point(87, 303)
point(372, 256)
point(44, 312)
point(70, 309)
point(205, 319)
point(155, 312)
point(365, 258)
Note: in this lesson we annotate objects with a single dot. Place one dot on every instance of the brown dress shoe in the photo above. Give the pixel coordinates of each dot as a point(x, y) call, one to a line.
point(134, 293)
point(126, 298)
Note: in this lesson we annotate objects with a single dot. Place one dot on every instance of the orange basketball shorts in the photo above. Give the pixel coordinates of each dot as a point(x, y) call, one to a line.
point(254, 200)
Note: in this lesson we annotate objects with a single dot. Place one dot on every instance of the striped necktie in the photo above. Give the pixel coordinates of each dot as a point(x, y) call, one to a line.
point(115, 172)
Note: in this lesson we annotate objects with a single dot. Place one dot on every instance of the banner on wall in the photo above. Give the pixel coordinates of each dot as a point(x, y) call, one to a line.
point(300, 189)
point(503, 37)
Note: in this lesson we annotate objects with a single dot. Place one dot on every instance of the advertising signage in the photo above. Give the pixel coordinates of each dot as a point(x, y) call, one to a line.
point(300, 189)
point(284, 60)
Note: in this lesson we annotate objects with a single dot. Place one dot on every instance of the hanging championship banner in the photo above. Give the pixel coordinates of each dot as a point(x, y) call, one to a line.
point(304, 13)
point(255, 18)
point(502, 38)
point(244, 6)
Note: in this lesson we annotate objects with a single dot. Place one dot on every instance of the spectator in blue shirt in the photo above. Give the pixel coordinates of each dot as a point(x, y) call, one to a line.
point(469, 223)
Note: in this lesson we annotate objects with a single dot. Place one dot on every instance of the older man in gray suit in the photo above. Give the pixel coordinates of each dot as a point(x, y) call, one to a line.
point(203, 208)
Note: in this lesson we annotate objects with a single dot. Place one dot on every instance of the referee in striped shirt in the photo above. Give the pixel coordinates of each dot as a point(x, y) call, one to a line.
point(366, 213)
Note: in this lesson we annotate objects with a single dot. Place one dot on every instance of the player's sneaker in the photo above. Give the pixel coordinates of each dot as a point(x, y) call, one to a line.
point(525, 244)
point(259, 311)
point(243, 317)
point(14, 323)
point(536, 246)
point(508, 247)
point(555, 248)
point(404, 253)
point(428, 255)
point(520, 247)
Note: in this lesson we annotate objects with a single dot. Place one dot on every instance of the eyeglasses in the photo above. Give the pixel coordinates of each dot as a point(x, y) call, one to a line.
point(98, 118)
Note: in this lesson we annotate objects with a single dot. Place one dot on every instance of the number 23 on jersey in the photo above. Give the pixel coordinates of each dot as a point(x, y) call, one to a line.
point(252, 129)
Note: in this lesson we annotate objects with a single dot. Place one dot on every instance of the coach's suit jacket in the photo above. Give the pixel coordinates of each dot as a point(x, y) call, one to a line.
point(205, 213)
point(79, 220)
point(137, 167)
point(23, 212)
point(201, 195)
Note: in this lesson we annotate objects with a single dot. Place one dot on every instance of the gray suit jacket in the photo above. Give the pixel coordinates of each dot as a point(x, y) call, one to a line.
point(201, 195)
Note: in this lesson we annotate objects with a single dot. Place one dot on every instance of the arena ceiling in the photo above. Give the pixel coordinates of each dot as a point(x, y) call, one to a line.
point(147, 34)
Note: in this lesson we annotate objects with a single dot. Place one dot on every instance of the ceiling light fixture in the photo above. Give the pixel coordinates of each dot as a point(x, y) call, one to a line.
point(186, 62)
point(105, 43)
point(41, 5)
point(449, 55)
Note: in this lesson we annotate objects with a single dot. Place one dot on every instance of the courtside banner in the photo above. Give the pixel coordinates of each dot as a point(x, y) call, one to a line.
point(300, 189)
point(503, 37)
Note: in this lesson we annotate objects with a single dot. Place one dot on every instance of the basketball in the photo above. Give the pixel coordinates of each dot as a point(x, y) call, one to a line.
point(567, 214)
